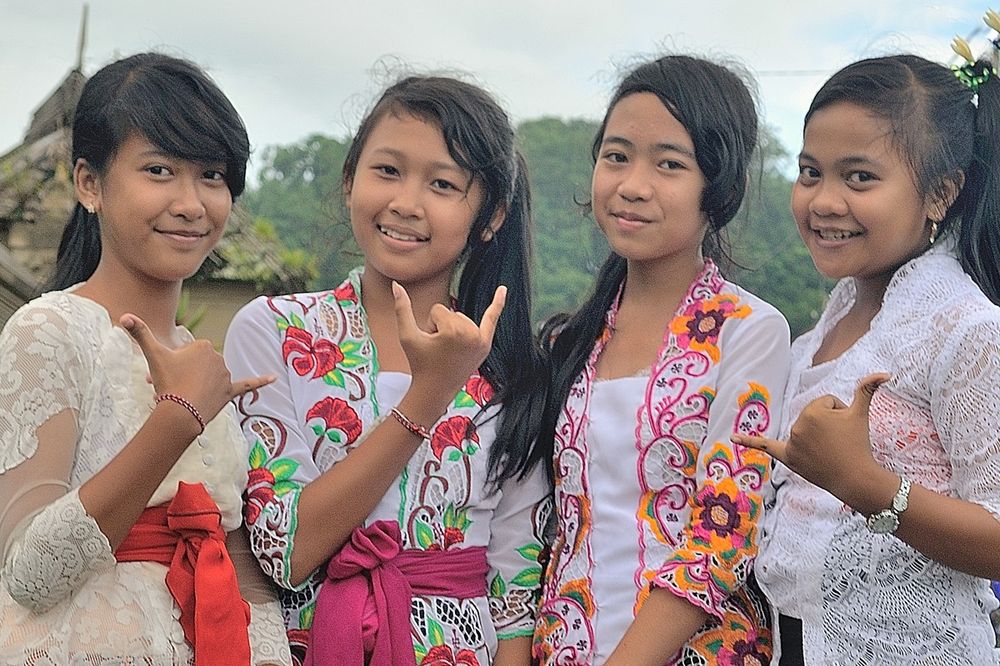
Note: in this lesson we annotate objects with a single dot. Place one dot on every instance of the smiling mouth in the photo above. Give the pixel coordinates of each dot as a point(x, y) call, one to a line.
point(186, 235)
point(630, 217)
point(835, 234)
point(400, 236)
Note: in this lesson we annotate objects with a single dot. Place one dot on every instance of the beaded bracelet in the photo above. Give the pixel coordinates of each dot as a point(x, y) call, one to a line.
point(173, 397)
point(415, 428)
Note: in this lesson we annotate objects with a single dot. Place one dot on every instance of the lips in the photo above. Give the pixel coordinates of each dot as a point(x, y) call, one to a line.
point(630, 217)
point(836, 234)
point(397, 234)
point(183, 235)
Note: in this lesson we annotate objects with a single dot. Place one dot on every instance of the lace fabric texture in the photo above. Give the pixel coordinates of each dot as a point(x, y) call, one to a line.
point(872, 599)
point(75, 392)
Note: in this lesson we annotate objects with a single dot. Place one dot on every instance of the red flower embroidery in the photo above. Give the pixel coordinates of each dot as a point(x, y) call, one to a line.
point(453, 432)
point(336, 413)
point(319, 357)
point(479, 390)
point(260, 481)
point(345, 292)
point(443, 655)
point(452, 535)
point(298, 642)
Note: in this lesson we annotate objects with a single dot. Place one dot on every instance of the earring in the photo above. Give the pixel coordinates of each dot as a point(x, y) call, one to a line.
point(934, 230)
point(90, 208)
point(487, 235)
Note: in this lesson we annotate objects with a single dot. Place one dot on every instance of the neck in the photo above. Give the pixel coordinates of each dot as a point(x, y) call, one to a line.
point(660, 285)
point(869, 294)
point(121, 292)
point(376, 290)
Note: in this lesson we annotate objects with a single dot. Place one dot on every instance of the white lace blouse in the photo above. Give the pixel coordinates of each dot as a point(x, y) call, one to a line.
point(871, 599)
point(63, 597)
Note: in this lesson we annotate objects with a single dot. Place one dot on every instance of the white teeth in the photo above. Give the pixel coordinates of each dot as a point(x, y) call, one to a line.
point(398, 236)
point(834, 235)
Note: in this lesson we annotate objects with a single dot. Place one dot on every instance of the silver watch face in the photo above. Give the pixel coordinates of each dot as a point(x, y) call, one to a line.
point(883, 522)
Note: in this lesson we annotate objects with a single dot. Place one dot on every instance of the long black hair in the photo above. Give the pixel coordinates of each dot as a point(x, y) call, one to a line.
point(176, 107)
point(717, 109)
point(481, 140)
point(946, 136)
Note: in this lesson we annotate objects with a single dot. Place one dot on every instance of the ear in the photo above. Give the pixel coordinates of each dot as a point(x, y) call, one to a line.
point(345, 188)
point(499, 217)
point(87, 184)
point(937, 203)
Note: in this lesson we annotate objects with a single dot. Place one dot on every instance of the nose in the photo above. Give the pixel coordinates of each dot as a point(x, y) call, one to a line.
point(635, 184)
point(187, 202)
point(406, 200)
point(828, 199)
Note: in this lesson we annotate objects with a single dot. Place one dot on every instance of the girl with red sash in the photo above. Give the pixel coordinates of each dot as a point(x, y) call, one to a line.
point(121, 464)
point(657, 510)
point(396, 439)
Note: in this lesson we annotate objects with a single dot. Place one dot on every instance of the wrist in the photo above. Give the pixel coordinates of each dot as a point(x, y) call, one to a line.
point(876, 491)
point(182, 422)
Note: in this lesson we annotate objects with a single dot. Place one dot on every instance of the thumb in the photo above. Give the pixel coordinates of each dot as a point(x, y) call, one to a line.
point(866, 390)
point(406, 323)
point(140, 332)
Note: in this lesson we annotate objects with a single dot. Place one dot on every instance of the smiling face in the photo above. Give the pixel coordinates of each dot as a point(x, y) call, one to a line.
point(647, 185)
point(411, 205)
point(855, 201)
point(160, 215)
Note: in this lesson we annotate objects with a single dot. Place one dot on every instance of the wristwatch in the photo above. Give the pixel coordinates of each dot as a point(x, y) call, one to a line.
point(887, 520)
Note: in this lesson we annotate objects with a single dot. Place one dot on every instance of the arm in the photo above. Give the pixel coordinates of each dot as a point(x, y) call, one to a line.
point(318, 511)
point(717, 547)
point(829, 445)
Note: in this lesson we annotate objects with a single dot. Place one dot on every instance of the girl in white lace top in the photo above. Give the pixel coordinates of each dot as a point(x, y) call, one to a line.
point(121, 464)
point(886, 528)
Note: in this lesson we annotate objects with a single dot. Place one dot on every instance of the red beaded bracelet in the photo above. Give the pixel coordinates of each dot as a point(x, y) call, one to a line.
point(415, 428)
point(173, 397)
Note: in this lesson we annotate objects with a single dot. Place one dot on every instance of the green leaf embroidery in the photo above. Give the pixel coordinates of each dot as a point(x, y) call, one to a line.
point(530, 577)
point(435, 632)
point(333, 436)
point(284, 487)
point(454, 455)
point(298, 323)
point(351, 361)
point(425, 536)
point(463, 399)
point(282, 324)
point(306, 616)
point(530, 551)
point(349, 346)
point(318, 429)
point(258, 456)
point(335, 378)
point(283, 468)
point(497, 587)
point(420, 652)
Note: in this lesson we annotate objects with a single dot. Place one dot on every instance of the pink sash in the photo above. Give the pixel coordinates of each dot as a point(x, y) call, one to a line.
point(363, 609)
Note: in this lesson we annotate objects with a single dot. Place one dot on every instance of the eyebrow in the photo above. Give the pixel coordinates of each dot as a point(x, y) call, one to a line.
point(438, 165)
point(673, 147)
point(849, 160)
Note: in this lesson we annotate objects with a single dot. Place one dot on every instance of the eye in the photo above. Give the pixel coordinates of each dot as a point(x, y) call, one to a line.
point(861, 177)
point(615, 157)
point(442, 184)
point(216, 175)
point(808, 174)
point(671, 165)
point(159, 170)
point(386, 170)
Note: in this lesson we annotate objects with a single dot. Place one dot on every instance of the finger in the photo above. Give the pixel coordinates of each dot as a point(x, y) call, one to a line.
point(406, 323)
point(824, 402)
point(248, 385)
point(866, 390)
point(773, 447)
point(140, 332)
point(488, 325)
point(440, 318)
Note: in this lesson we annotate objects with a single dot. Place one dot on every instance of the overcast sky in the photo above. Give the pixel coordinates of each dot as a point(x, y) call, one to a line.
point(295, 67)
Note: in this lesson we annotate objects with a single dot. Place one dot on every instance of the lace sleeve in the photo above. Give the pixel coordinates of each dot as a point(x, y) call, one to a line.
point(965, 406)
point(718, 545)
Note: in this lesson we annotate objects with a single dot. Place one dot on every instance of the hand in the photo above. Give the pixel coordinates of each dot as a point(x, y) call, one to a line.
point(195, 372)
point(829, 445)
point(450, 347)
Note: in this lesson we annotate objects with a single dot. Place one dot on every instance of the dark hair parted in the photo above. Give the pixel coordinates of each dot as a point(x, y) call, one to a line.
point(946, 136)
point(717, 109)
point(481, 140)
point(176, 107)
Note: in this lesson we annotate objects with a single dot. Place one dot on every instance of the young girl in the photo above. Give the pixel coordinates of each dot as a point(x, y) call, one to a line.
point(886, 527)
point(381, 444)
point(118, 481)
point(657, 510)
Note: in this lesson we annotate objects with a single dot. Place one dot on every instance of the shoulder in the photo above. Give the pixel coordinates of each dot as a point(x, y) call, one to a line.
point(58, 313)
point(758, 314)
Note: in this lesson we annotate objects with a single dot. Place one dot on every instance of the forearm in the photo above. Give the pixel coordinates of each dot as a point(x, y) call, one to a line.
point(118, 493)
point(661, 627)
point(338, 501)
point(958, 534)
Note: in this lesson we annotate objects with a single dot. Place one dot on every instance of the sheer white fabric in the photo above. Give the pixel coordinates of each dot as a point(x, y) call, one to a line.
point(871, 599)
point(74, 393)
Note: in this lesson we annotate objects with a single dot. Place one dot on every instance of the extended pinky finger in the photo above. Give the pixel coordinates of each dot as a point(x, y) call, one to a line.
point(248, 385)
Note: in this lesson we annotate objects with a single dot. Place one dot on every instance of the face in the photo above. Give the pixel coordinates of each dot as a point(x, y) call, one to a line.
point(412, 207)
point(647, 185)
point(160, 215)
point(855, 201)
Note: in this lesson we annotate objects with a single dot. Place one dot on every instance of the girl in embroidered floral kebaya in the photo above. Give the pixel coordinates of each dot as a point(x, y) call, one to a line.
point(657, 510)
point(886, 528)
point(402, 450)
point(121, 495)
